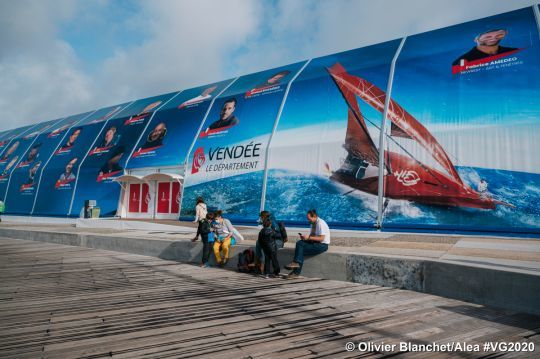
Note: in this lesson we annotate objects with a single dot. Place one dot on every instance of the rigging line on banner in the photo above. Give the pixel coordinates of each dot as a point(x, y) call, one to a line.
point(427, 169)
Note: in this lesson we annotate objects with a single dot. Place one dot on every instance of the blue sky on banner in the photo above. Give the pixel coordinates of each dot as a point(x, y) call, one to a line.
point(62, 57)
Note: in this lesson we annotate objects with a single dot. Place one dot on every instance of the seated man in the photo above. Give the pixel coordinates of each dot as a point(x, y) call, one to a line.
point(317, 242)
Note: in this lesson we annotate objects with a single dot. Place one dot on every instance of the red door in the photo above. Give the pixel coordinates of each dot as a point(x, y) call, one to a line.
point(134, 197)
point(145, 198)
point(164, 197)
point(175, 205)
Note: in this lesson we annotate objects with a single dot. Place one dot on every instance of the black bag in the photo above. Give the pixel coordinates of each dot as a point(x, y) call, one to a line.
point(246, 261)
point(283, 232)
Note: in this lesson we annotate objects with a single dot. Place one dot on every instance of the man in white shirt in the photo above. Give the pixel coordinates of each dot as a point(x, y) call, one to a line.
point(317, 242)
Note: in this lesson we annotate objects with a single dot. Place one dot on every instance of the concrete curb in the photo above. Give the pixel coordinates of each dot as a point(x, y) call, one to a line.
point(508, 289)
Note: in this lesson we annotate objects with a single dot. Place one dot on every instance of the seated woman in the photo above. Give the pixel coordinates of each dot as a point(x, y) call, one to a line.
point(223, 237)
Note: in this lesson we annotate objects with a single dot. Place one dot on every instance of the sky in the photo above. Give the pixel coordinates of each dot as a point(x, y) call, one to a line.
point(63, 57)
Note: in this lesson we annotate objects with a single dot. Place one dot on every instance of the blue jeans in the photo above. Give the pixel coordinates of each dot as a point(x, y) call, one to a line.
point(259, 252)
point(307, 248)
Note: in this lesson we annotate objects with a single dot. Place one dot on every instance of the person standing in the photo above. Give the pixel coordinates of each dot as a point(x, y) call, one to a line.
point(267, 242)
point(207, 237)
point(280, 238)
point(200, 213)
point(317, 242)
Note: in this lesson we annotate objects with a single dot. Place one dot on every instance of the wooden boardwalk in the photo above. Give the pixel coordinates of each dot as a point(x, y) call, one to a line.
point(68, 302)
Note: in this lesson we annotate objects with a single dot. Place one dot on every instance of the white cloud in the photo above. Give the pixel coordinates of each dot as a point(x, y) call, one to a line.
point(187, 43)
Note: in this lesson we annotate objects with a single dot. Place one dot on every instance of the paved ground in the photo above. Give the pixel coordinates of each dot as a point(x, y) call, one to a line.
point(71, 302)
point(506, 253)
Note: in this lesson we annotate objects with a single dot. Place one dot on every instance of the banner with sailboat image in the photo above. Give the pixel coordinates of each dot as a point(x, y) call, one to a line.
point(461, 130)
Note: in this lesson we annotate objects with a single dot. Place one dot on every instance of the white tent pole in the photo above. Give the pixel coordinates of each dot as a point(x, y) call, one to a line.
point(276, 121)
point(382, 136)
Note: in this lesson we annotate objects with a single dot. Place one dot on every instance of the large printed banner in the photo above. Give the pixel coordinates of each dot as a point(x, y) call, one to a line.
point(463, 122)
point(464, 126)
point(324, 154)
point(107, 157)
point(171, 132)
point(461, 138)
point(58, 178)
point(21, 151)
point(227, 162)
point(24, 178)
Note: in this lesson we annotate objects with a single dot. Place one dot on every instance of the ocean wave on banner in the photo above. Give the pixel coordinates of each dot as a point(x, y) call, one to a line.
point(520, 189)
point(291, 193)
point(239, 197)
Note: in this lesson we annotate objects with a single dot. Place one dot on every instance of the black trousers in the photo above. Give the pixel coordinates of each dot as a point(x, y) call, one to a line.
point(199, 224)
point(270, 256)
point(207, 247)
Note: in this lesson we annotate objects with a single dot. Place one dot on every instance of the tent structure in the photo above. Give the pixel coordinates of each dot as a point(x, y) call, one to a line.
point(433, 131)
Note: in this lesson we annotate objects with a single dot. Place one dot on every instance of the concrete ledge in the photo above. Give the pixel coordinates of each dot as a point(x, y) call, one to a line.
point(508, 289)
point(118, 224)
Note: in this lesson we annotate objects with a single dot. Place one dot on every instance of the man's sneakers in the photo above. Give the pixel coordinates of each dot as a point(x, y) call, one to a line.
point(293, 275)
point(292, 265)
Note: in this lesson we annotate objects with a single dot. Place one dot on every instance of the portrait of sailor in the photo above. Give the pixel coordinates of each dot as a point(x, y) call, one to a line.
point(32, 173)
point(110, 138)
point(205, 95)
point(71, 139)
point(226, 116)
point(68, 175)
point(487, 45)
point(11, 163)
point(149, 108)
point(112, 165)
point(273, 80)
point(10, 151)
point(155, 138)
point(108, 115)
point(32, 155)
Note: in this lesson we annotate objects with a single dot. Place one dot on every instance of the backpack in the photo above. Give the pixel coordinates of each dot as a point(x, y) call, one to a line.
point(282, 231)
point(246, 261)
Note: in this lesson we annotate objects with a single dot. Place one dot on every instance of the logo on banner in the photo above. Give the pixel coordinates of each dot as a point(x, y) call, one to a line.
point(198, 160)
point(407, 177)
point(231, 158)
point(136, 119)
point(63, 150)
point(262, 90)
point(28, 187)
point(100, 150)
point(488, 63)
point(107, 176)
point(62, 184)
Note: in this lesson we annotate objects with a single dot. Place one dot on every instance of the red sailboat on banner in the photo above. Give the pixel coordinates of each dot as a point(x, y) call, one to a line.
point(405, 177)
